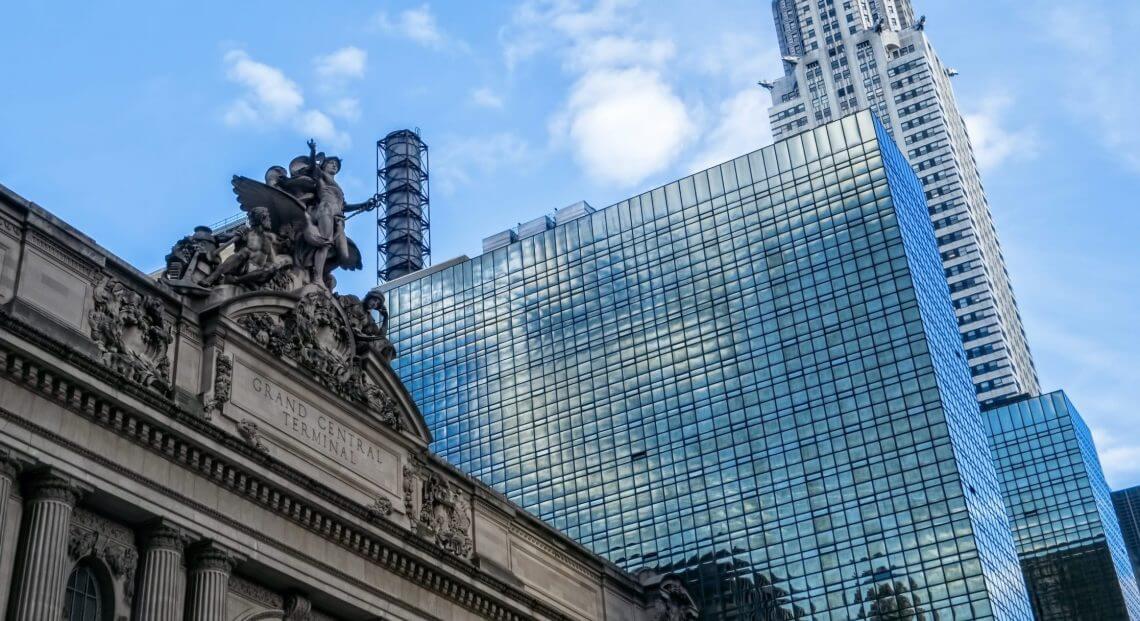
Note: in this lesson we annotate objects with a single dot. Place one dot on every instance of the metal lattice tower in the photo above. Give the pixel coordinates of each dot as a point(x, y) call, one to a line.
point(403, 236)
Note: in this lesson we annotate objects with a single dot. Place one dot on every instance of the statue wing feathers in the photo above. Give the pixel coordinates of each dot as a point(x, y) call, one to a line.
point(283, 208)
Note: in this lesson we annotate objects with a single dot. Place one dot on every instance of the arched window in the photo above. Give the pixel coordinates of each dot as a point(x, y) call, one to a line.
point(83, 600)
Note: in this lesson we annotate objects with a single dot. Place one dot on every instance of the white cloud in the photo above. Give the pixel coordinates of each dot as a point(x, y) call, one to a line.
point(318, 125)
point(418, 25)
point(1106, 87)
point(270, 99)
point(347, 62)
point(269, 93)
point(742, 128)
point(624, 124)
point(484, 97)
point(457, 161)
point(995, 143)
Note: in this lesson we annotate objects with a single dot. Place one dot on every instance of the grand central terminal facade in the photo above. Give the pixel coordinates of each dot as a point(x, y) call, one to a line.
point(226, 440)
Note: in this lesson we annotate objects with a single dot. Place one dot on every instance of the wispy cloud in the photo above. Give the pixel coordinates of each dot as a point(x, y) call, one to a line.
point(347, 62)
point(271, 99)
point(741, 127)
point(418, 25)
point(484, 97)
point(457, 161)
point(1105, 87)
point(994, 141)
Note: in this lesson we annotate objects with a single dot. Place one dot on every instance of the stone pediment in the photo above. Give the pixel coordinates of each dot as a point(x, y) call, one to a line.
point(310, 331)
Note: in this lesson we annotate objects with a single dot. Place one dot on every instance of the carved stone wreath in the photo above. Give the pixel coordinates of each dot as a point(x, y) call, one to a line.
point(316, 335)
point(131, 332)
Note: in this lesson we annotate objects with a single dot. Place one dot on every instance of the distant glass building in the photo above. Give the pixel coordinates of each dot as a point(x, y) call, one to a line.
point(1072, 553)
point(751, 376)
point(1127, 503)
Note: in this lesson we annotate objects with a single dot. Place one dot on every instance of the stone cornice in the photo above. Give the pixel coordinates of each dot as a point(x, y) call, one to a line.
point(345, 523)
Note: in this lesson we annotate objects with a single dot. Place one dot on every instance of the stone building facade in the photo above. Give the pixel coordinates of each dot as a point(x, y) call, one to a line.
point(243, 453)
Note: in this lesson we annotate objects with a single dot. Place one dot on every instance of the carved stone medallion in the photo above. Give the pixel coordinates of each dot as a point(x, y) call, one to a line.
point(132, 333)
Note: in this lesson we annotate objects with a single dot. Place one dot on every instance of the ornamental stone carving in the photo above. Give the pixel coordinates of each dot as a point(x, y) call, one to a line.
point(249, 432)
point(442, 513)
point(669, 600)
point(93, 536)
point(317, 334)
point(223, 384)
point(380, 508)
point(297, 607)
point(131, 332)
point(81, 543)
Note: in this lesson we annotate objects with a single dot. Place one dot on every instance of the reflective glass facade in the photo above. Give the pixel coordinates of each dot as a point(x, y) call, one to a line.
point(1068, 539)
point(1127, 503)
point(750, 376)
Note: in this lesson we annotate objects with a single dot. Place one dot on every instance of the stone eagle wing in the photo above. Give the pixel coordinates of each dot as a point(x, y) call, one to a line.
point(283, 207)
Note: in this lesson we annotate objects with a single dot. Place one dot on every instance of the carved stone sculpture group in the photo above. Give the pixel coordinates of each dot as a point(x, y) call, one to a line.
point(295, 234)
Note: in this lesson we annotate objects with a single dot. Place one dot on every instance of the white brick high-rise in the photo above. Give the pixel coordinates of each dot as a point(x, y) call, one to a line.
point(846, 55)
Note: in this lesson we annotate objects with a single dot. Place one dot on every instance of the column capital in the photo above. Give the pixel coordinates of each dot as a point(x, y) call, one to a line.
point(160, 533)
point(45, 483)
point(298, 607)
point(10, 465)
point(208, 555)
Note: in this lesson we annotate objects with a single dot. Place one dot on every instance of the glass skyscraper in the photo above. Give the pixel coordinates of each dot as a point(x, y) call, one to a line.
point(1071, 549)
point(1127, 503)
point(750, 376)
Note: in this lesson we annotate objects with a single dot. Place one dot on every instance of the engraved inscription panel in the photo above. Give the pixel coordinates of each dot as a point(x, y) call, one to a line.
point(54, 290)
point(313, 432)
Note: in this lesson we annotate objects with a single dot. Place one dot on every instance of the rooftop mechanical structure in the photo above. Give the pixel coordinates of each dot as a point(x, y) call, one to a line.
point(403, 237)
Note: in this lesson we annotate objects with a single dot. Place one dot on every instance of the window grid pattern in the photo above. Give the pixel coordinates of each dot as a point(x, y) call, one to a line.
point(1071, 549)
point(82, 600)
point(728, 377)
point(1127, 504)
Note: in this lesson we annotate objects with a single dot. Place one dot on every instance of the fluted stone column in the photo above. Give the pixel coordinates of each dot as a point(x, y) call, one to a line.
point(210, 567)
point(50, 499)
point(9, 470)
point(162, 589)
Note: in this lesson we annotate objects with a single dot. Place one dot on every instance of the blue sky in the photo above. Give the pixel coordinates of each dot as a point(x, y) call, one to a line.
point(128, 118)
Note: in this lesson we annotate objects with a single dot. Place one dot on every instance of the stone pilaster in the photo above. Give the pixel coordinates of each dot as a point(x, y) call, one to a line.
point(50, 499)
point(162, 589)
point(9, 470)
point(210, 567)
